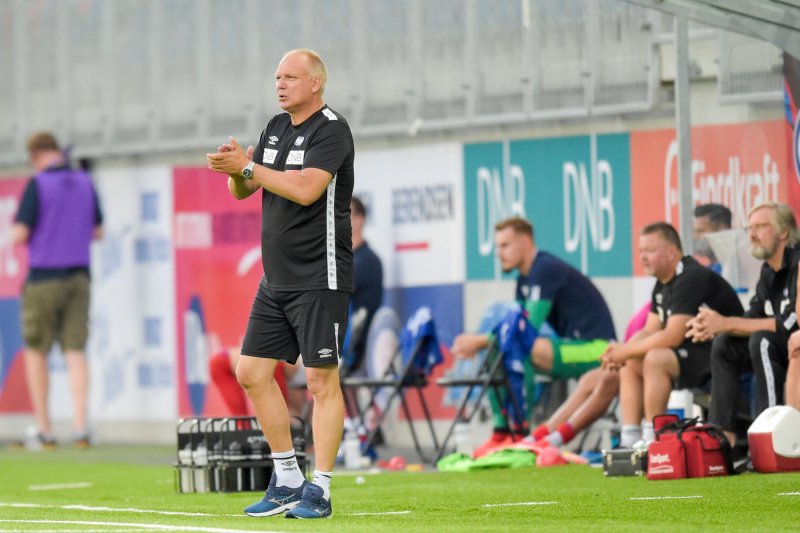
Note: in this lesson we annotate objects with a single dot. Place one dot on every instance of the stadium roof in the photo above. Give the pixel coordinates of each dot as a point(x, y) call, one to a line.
point(775, 21)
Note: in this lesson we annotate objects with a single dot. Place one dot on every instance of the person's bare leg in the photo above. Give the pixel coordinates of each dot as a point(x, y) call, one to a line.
point(631, 392)
point(38, 379)
point(793, 383)
point(542, 355)
point(78, 370)
point(660, 368)
point(577, 399)
point(327, 421)
point(597, 404)
point(256, 375)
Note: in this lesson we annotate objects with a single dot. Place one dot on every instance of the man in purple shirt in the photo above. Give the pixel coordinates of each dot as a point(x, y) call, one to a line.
point(58, 217)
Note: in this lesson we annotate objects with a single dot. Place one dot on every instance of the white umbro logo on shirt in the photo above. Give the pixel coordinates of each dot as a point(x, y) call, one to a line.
point(299, 141)
point(325, 352)
point(272, 139)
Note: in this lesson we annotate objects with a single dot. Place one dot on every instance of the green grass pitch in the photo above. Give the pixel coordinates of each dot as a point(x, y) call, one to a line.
point(131, 489)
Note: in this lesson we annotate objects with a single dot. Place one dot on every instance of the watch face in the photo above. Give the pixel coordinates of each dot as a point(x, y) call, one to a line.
point(247, 172)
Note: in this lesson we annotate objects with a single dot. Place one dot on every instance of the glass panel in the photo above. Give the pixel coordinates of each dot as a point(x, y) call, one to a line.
point(502, 79)
point(442, 59)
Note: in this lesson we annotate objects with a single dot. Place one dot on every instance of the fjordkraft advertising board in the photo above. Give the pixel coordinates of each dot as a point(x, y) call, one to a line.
point(13, 269)
point(415, 217)
point(132, 330)
point(575, 190)
point(217, 271)
point(737, 165)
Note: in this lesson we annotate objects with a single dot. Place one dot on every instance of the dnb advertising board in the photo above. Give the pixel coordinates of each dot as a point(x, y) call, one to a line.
point(575, 190)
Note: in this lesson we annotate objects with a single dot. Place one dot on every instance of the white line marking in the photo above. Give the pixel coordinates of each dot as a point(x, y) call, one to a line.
point(789, 494)
point(376, 514)
point(62, 530)
point(151, 527)
point(60, 486)
point(109, 509)
point(666, 498)
point(516, 504)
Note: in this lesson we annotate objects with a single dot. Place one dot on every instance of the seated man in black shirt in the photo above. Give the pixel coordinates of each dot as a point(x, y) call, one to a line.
point(757, 341)
point(660, 356)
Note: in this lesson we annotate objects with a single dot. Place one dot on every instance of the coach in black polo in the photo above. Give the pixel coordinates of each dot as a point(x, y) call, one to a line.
point(303, 165)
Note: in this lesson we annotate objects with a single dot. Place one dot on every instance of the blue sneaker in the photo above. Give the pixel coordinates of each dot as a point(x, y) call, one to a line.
point(276, 500)
point(312, 505)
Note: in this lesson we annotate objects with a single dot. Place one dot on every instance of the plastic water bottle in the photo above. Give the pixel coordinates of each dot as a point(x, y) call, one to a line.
point(462, 434)
point(680, 403)
point(352, 451)
point(200, 455)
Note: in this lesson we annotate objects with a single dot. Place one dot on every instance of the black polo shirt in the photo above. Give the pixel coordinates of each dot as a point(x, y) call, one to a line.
point(308, 247)
point(693, 286)
point(776, 293)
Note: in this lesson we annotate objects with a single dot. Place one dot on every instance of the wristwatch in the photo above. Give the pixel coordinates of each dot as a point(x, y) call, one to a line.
point(247, 172)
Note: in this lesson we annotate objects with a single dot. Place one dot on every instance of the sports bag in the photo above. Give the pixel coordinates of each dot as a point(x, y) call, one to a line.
point(684, 448)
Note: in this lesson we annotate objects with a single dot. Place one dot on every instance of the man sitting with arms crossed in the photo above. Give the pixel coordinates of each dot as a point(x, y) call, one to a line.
point(597, 388)
point(757, 341)
point(660, 355)
point(553, 291)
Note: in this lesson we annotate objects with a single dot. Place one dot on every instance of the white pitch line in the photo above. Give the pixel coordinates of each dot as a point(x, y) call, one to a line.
point(666, 498)
point(376, 514)
point(60, 486)
point(788, 494)
point(146, 527)
point(109, 509)
point(517, 504)
point(62, 530)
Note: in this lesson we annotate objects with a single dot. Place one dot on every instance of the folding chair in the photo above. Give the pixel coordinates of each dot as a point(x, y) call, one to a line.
point(409, 368)
point(501, 371)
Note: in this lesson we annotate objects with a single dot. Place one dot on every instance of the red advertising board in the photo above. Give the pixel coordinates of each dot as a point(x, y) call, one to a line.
point(737, 165)
point(218, 267)
point(13, 269)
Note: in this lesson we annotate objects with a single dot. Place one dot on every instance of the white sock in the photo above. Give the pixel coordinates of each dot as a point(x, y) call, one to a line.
point(630, 434)
point(287, 471)
point(323, 480)
point(555, 439)
point(648, 433)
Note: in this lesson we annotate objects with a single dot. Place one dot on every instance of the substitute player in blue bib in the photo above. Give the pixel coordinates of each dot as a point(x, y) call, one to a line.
point(551, 291)
point(303, 165)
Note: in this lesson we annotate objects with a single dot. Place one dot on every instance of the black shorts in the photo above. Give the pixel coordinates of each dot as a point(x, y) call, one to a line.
point(283, 325)
point(694, 359)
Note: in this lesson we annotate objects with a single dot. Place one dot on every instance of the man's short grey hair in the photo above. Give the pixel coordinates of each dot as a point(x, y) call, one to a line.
point(316, 66)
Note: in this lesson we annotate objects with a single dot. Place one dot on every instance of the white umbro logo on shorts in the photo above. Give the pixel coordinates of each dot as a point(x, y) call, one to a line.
point(325, 352)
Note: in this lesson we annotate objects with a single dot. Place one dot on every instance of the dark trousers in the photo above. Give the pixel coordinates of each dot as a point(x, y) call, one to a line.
point(763, 353)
